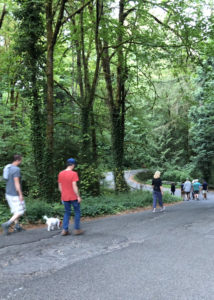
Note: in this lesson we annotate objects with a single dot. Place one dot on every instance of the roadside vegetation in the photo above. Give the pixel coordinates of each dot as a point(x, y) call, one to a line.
point(108, 204)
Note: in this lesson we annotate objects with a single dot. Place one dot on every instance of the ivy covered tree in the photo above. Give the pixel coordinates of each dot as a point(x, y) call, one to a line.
point(29, 46)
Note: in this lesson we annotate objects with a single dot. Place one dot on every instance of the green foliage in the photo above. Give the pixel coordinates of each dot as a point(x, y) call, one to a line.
point(144, 176)
point(202, 120)
point(4, 213)
point(36, 210)
point(112, 204)
point(176, 175)
point(89, 179)
point(155, 62)
point(29, 45)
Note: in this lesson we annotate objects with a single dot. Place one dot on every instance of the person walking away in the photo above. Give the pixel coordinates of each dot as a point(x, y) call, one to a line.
point(182, 190)
point(67, 183)
point(157, 191)
point(172, 188)
point(196, 189)
point(192, 191)
point(204, 189)
point(14, 195)
point(187, 189)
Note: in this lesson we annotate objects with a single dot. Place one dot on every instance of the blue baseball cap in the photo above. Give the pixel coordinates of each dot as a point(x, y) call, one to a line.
point(71, 161)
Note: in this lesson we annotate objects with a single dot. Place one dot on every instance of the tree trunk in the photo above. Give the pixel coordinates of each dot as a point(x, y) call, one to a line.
point(37, 135)
point(116, 106)
point(49, 125)
point(86, 156)
point(89, 172)
point(3, 15)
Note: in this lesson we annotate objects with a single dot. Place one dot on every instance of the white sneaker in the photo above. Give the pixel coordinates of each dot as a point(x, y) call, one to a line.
point(154, 210)
point(163, 208)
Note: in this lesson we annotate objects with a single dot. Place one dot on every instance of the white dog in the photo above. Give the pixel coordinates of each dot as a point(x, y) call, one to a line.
point(52, 223)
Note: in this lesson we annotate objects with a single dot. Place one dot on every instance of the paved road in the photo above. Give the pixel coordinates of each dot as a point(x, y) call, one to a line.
point(142, 256)
point(129, 177)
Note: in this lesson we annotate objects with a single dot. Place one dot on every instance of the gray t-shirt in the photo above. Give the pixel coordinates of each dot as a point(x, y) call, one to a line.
point(187, 186)
point(10, 186)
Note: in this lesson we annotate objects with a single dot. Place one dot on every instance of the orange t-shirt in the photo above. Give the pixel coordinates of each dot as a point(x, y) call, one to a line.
point(66, 178)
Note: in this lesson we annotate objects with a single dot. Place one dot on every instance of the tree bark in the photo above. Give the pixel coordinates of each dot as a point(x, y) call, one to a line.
point(3, 15)
point(52, 33)
point(87, 89)
point(116, 103)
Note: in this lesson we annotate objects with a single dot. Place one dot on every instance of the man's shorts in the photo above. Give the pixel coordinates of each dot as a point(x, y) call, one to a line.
point(204, 191)
point(16, 206)
point(196, 192)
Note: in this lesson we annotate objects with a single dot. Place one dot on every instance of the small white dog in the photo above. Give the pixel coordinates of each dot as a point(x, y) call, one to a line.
point(52, 223)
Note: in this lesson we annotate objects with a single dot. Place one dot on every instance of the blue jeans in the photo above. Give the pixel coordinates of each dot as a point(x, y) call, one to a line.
point(67, 214)
point(157, 196)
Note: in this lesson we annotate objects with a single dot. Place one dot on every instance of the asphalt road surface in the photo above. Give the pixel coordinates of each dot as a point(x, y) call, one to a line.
point(129, 177)
point(143, 255)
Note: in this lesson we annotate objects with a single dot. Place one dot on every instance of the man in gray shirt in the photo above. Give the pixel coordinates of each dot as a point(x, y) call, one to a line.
point(187, 188)
point(14, 195)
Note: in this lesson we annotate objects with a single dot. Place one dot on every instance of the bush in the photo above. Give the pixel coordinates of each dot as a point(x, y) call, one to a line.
point(36, 209)
point(4, 213)
point(144, 176)
point(176, 175)
point(111, 204)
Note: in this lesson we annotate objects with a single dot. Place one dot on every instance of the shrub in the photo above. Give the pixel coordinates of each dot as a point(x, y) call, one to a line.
point(36, 209)
point(144, 176)
point(4, 213)
point(176, 175)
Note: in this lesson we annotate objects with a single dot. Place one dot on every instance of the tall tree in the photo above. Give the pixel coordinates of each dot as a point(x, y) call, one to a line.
point(54, 18)
point(87, 81)
point(30, 46)
point(117, 94)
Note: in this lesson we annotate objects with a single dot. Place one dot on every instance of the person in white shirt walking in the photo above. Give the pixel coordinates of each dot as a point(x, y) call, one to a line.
point(187, 189)
point(14, 195)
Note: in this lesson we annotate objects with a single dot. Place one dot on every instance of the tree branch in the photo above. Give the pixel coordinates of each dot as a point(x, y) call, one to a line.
point(125, 14)
point(59, 22)
point(68, 124)
point(165, 25)
point(66, 91)
point(3, 15)
point(77, 11)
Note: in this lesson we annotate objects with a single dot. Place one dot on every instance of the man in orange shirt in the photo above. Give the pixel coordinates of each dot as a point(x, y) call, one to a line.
point(67, 182)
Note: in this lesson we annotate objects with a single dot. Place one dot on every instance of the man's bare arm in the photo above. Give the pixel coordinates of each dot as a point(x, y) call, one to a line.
point(76, 191)
point(18, 187)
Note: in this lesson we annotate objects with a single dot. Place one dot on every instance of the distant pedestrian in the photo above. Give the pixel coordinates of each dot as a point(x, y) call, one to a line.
point(182, 190)
point(196, 189)
point(157, 191)
point(187, 189)
point(204, 189)
point(67, 182)
point(172, 188)
point(192, 191)
point(14, 194)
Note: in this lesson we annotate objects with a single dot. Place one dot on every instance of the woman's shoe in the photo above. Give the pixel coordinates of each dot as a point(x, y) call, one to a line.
point(162, 209)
